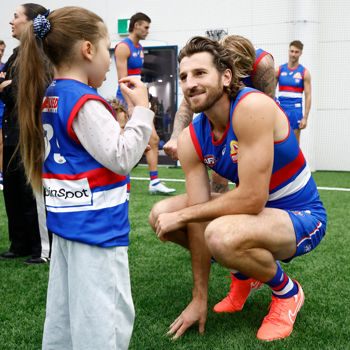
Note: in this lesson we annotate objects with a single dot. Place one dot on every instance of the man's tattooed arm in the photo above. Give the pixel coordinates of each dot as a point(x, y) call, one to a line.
point(264, 76)
point(183, 118)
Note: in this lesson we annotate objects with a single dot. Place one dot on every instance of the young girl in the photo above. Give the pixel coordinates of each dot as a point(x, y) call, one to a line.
point(83, 165)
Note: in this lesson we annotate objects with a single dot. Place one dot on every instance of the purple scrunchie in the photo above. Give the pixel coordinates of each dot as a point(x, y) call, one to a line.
point(41, 25)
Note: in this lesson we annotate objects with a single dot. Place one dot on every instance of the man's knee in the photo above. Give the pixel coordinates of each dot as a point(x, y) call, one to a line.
point(154, 140)
point(153, 215)
point(157, 209)
point(222, 240)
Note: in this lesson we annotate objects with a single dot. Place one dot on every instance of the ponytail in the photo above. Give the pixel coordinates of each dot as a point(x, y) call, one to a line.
point(52, 38)
point(34, 77)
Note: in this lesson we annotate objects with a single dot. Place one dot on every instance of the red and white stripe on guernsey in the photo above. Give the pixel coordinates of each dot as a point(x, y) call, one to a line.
point(283, 174)
point(196, 144)
point(311, 233)
point(285, 287)
point(71, 193)
point(291, 91)
point(134, 71)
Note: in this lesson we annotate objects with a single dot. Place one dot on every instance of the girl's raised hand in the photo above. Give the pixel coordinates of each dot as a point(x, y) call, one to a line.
point(134, 91)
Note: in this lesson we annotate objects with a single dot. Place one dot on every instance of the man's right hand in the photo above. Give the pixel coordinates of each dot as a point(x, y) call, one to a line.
point(170, 148)
point(196, 311)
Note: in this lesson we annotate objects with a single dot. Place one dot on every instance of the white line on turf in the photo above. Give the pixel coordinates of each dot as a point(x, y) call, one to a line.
point(182, 180)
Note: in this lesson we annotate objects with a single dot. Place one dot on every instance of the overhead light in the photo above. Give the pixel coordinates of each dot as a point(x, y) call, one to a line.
point(160, 80)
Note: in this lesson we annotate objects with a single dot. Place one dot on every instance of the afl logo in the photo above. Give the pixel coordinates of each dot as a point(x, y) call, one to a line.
point(283, 74)
point(234, 151)
point(209, 160)
point(134, 54)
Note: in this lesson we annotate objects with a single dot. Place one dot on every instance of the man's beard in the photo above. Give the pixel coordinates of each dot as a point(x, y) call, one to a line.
point(213, 95)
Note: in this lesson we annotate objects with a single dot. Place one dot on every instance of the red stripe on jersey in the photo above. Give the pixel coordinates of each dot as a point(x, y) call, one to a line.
point(287, 171)
point(262, 55)
point(136, 71)
point(196, 143)
point(76, 109)
point(96, 177)
point(291, 88)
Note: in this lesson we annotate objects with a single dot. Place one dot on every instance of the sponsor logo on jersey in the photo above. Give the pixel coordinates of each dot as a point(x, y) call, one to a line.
point(209, 160)
point(223, 150)
point(297, 75)
point(50, 104)
point(67, 193)
point(134, 54)
point(234, 151)
point(141, 54)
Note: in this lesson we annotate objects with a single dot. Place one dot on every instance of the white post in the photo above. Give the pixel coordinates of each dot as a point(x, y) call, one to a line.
point(306, 30)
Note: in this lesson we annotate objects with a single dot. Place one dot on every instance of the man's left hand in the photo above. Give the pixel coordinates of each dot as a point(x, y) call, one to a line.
point(303, 123)
point(167, 222)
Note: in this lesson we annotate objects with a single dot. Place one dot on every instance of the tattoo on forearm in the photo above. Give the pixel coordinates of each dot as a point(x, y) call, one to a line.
point(183, 118)
point(265, 81)
point(218, 187)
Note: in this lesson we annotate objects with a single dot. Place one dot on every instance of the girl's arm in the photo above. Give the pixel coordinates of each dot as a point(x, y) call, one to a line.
point(99, 133)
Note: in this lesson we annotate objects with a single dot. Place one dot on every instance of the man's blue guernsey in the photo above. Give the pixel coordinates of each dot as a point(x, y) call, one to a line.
point(291, 85)
point(85, 201)
point(135, 62)
point(291, 186)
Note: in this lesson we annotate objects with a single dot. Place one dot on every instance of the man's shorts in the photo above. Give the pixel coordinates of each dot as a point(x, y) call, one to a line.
point(294, 114)
point(309, 227)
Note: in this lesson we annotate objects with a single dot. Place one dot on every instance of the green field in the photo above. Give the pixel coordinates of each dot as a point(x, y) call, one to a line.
point(161, 280)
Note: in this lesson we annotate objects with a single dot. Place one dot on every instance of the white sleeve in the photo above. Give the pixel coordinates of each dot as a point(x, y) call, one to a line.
point(99, 133)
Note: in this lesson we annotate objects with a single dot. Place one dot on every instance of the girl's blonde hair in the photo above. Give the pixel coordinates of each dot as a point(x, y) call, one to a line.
point(242, 54)
point(69, 25)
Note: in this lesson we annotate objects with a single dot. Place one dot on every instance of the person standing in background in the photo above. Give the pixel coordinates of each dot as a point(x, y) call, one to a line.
point(129, 58)
point(293, 79)
point(28, 233)
point(2, 106)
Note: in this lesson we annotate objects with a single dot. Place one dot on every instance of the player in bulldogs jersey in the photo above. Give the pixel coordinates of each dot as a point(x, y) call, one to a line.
point(129, 58)
point(294, 79)
point(274, 214)
point(254, 67)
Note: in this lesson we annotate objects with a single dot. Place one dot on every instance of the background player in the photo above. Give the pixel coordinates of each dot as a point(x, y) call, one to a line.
point(129, 58)
point(293, 79)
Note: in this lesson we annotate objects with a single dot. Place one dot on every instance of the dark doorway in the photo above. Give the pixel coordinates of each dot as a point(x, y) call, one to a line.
point(159, 73)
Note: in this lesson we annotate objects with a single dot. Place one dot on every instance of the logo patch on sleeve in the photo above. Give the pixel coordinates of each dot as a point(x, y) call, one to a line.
point(50, 104)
